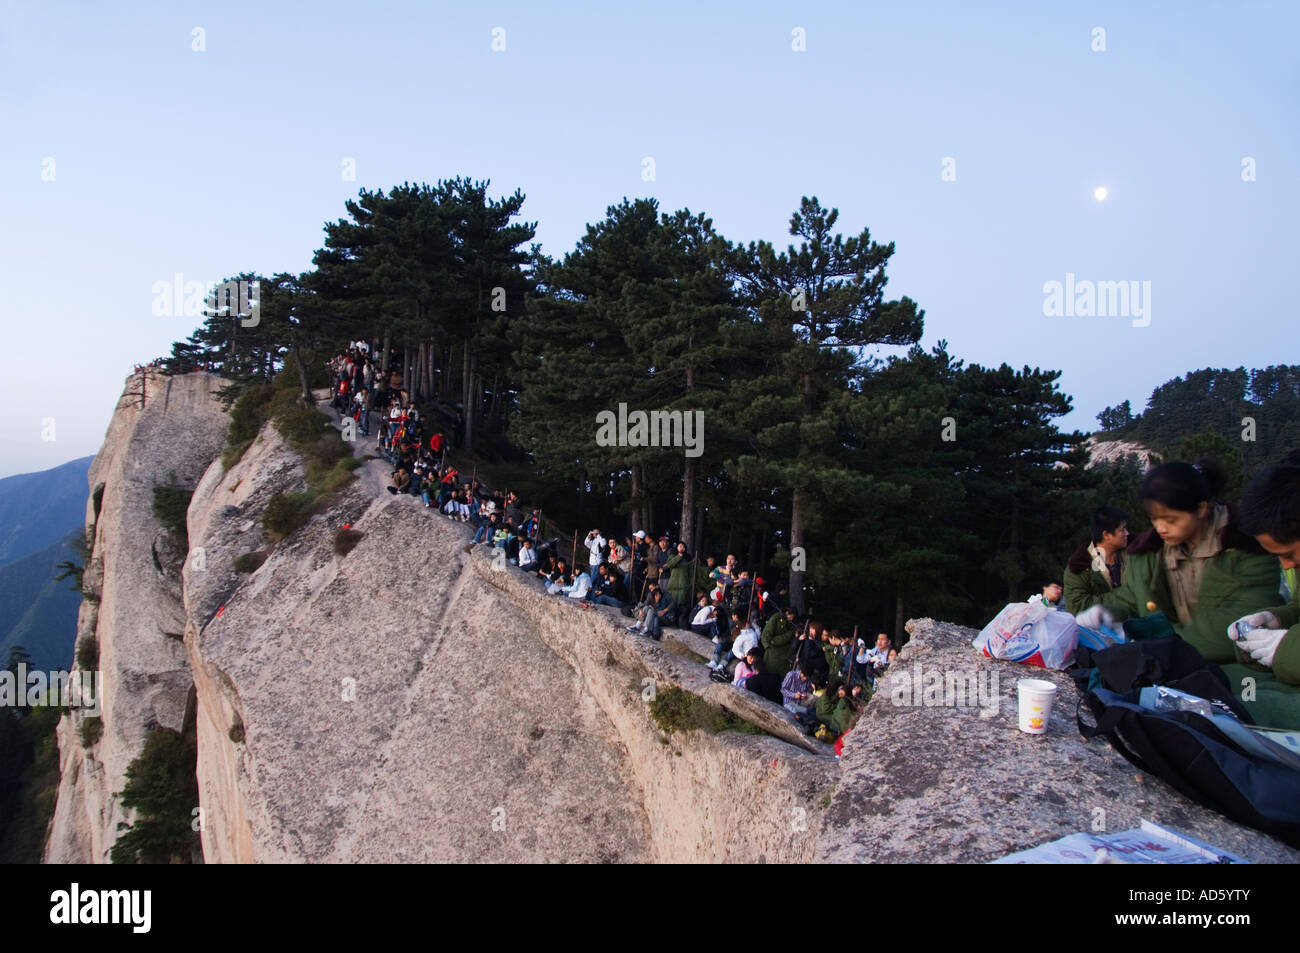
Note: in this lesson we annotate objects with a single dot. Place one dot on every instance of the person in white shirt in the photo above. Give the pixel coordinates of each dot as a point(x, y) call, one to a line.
point(705, 621)
point(527, 556)
point(746, 637)
point(596, 545)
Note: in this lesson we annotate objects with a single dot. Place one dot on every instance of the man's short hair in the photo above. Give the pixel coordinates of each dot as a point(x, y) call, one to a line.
point(1106, 519)
point(1271, 504)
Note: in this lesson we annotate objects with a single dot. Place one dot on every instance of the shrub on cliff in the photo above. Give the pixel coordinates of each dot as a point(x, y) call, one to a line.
point(92, 727)
point(249, 413)
point(170, 504)
point(285, 512)
point(250, 562)
point(88, 654)
point(161, 785)
point(345, 540)
point(675, 709)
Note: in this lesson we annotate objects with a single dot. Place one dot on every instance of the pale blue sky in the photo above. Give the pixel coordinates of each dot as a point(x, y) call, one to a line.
point(210, 163)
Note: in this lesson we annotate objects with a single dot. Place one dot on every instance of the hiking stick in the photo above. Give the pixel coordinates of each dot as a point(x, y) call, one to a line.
point(853, 661)
point(573, 560)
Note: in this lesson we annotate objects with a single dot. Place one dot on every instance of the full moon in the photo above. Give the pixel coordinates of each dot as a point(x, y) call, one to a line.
point(1101, 193)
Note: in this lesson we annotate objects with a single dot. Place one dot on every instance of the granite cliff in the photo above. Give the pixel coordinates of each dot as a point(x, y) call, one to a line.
point(407, 700)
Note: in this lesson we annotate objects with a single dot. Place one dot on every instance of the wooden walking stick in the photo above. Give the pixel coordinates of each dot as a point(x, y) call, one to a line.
point(573, 561)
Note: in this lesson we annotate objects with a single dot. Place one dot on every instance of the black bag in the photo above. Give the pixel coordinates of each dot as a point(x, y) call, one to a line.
point(1167, 661)
point(1187, 750)
point(1199, 761)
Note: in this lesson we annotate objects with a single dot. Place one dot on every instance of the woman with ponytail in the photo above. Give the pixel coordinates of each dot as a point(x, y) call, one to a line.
point(1195, 564)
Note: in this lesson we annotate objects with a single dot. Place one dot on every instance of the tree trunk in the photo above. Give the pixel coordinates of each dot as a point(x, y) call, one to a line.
point(471, 397)
point(634, 511)
point(388, 344)
point(796, 542)
point(688, 503)
point(302, 378)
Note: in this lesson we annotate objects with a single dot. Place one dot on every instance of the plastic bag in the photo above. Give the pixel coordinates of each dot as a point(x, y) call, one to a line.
point(1031, 633)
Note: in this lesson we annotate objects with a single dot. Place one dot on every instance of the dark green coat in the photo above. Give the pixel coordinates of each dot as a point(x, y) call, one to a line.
point(778, 644)
point(679, 579)
point(842, 716)
point(1276, 692)
point(1083, 584)
point(827, 701)
point(1236, 582)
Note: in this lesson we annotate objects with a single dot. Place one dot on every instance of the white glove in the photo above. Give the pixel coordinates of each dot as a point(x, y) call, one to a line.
point(1094, 617)
point(1262, 644)
point(1260, 620)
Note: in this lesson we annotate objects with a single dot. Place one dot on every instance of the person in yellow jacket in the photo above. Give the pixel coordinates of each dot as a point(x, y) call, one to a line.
point(1195, 564)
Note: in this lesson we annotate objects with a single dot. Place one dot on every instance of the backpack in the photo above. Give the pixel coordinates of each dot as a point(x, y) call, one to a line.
point(1217, 762)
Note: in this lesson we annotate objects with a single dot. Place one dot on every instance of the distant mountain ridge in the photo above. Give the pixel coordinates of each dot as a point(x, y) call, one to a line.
point(39, 509)
point(39, 513)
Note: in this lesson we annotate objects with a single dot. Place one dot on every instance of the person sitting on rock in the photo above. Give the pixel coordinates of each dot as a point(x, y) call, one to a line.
point(705, 620)
point(401, 480)
point(797, 694)
point(658, 604)
point(1267, 641)
point(513, 545)
point(849, 702)
point(750, 664)
point(746, 636)
point(580, 586)
point(1050, 596)
point(526, 559)
point(606, 588)
point(1195, 565)
point(558, 578)
point(1097, 567)
point(877, 657)
point(767, 683)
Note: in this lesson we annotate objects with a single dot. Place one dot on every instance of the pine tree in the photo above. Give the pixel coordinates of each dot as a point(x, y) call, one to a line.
point(821, 304)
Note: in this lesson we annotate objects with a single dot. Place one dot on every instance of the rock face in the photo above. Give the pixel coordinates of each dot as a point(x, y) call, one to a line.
point(1113, 451)
point(406, 702)
point(163, 429)
point(948, 783)
point(412, 700)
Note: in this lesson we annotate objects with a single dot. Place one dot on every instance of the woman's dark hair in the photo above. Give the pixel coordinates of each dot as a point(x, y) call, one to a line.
point(1182, 486)
point(1271, 504)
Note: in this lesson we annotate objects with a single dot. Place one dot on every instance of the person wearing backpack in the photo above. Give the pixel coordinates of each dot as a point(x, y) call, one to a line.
point(1195, 565)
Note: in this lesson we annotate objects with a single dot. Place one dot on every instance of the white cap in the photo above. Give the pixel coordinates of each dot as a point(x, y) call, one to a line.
point(639, 534)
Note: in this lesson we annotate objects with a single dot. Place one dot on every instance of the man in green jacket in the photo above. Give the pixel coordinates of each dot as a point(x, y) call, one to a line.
point(1268, 641)
point(1097, 567)
point(778, 639)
